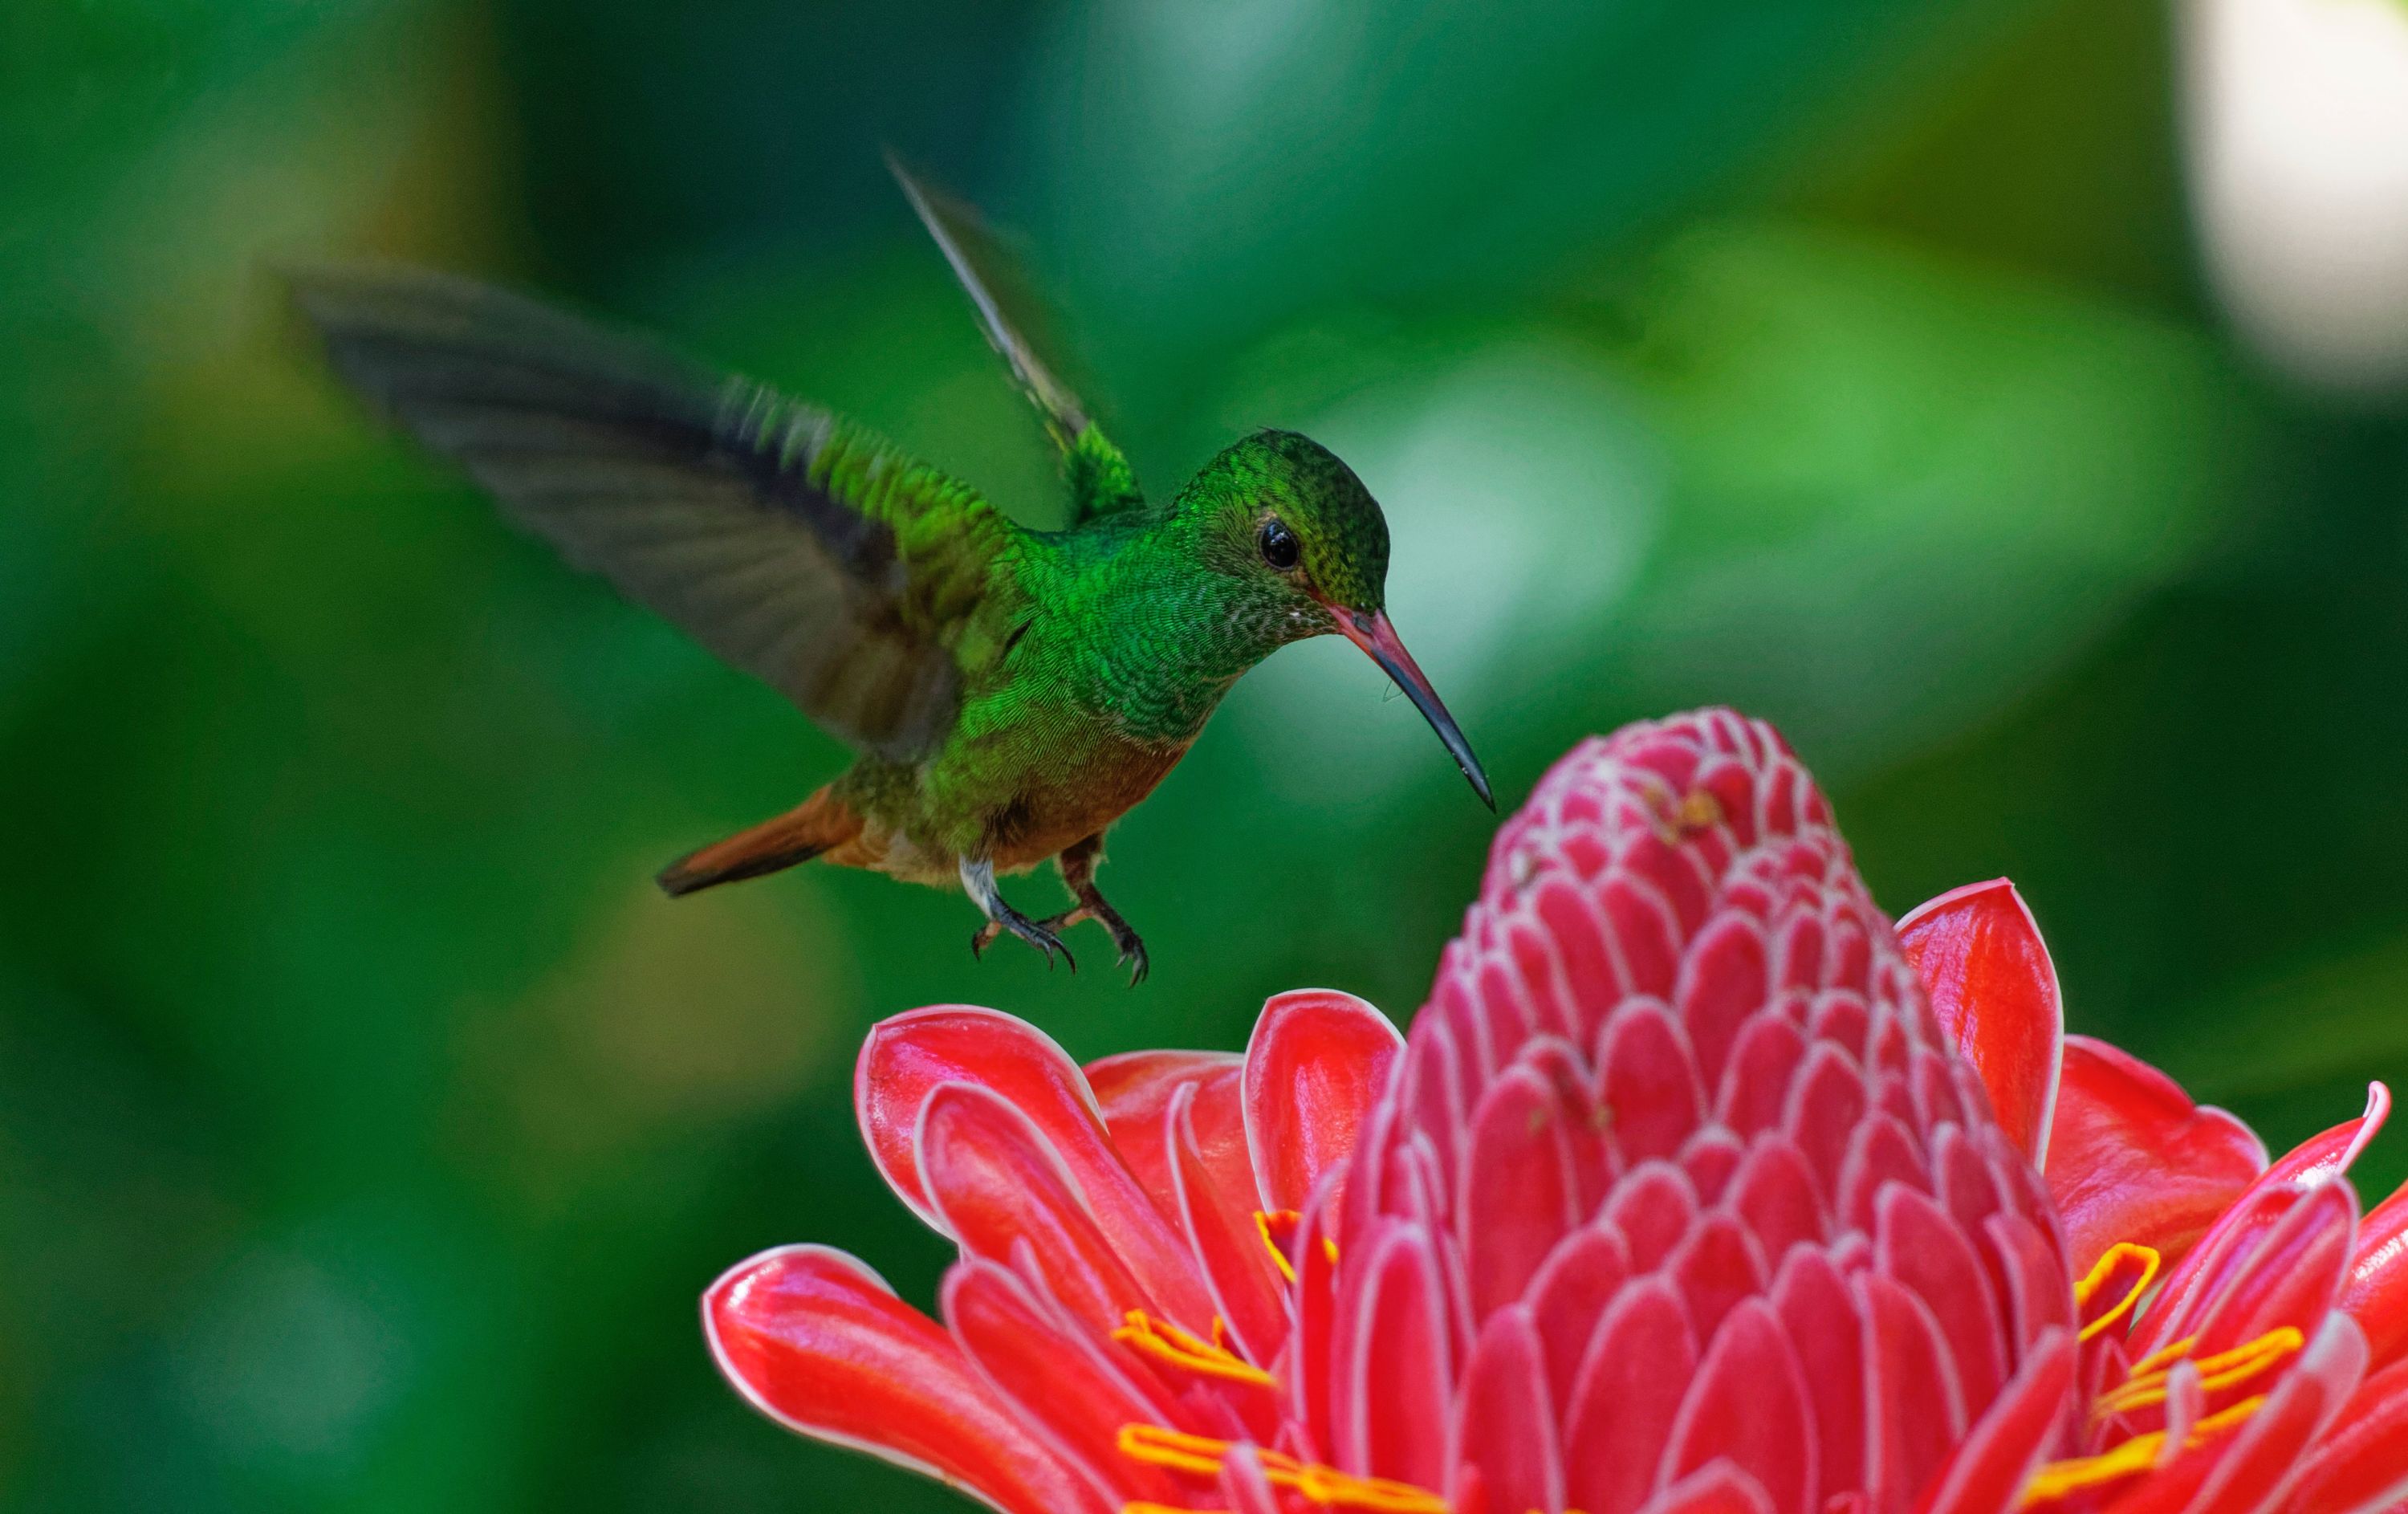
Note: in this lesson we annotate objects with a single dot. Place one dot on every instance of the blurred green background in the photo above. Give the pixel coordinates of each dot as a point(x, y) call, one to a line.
point(368, 1125)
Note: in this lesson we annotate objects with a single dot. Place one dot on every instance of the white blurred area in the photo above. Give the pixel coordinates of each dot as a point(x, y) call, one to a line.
point(2297, 118)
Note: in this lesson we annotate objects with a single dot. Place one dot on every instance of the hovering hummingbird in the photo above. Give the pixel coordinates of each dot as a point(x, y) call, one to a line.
point(1010, 692)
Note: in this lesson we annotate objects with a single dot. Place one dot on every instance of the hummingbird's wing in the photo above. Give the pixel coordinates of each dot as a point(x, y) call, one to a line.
point(793, 544)
point(1101, 482)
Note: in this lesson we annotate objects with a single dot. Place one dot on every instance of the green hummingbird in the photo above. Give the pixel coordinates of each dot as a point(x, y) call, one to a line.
point(1010, 692)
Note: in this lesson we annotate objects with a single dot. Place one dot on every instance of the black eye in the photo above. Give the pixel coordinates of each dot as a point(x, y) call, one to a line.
point(1278, 543)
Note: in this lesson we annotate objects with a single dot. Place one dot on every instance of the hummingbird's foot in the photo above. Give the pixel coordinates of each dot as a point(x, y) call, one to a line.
point(1078, 863)
point(978, 878)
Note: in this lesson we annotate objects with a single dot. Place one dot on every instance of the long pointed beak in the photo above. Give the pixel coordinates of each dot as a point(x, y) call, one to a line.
point(1378, 638)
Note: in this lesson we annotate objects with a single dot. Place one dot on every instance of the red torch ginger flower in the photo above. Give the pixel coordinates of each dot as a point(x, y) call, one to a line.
point(1684, 1196)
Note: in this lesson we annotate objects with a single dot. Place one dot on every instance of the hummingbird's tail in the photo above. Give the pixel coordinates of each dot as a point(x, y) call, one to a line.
point(820, 823)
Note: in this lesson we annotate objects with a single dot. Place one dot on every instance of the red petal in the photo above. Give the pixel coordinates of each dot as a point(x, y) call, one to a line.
point(1317, 1063)
point(1649, 1084)
point(1624, 1399)
point(2190, 1288)
point(1994, 991)
point(1986, 1473)
point(1243, 1485)
point(1505, 1422)
point(2133, 1159)
point(1134, 1091)
point(818, 1341)
point(1003, 1192)
point(1748, 1404)
point(2376, 1294)
point(1236, 1265)
point(1062, 1383)
point(2244, 1472)
point(2364, 1463)
point(907, 1057)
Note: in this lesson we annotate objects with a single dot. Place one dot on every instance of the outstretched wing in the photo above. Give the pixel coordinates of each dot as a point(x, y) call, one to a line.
point(798, 547)
point(1100, 480)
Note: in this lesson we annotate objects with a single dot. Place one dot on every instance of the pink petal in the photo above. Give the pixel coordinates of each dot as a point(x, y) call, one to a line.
point(1624, 1399)
point(1986, 1473)
point(1065, 1389)
point(1521, 1196)
point(2376, 1294)
point(1505, 1421)
point(1920, 1408)
point(818, 1341)
point(1317, 1063)
point(1394, 1369)
point(1569, 1295)
point(1820, 1317)
point(2133, 1159)
point(1244, 1487)
point(1721, 1488)
point(1994, 991)
point(1649, 1082)
point(1917, 1244)
point(1748, 1404)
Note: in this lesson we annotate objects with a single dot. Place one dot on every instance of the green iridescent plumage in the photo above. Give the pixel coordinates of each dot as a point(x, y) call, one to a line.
point(1011, 692)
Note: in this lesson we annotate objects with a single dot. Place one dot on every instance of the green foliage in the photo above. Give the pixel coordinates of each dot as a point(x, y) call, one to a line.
point(368, 1125)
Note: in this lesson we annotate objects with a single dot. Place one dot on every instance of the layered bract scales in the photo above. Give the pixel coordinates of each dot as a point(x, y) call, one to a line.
point(1741, 1209)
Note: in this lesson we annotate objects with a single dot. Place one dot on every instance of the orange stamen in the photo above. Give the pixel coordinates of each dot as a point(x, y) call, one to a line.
point(1167, 1343)
point(2147, 1384)
point(1286, 1220)
point(1323, 1486)
point(2108, 1267)
point(2055, 1479)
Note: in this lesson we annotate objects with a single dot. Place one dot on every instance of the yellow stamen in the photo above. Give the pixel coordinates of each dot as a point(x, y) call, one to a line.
point(1264, 1220)
point(1166, 1342)
point(2109, 1265)
point(1324, 1486)
point(2055, 1479)
point(2223, 1370)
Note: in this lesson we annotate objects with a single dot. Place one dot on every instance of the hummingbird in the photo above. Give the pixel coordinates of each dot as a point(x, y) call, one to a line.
point(1010, 692)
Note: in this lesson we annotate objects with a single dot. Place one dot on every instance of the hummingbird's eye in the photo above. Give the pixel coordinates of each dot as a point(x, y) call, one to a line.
point(1278, 544)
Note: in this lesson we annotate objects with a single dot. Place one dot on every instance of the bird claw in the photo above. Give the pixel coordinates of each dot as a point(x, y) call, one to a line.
point(1032, 931)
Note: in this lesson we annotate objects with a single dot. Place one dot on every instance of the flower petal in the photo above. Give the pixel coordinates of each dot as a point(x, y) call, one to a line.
point(2133, 1159)
point(1505, 1421)
point(2376, 1294)
point(1065, 1386)
point(1004, 1193)
point(1134, 1090)
point(1747, 1405)
point(1317, 1063)
point(1395, 1372)
point(1994, 991)
point(1624, 1399)
point(1986, 1473)
point(1228, 1245)
point(2244, 1472)
point(2364, 1463)
point(817, 1341)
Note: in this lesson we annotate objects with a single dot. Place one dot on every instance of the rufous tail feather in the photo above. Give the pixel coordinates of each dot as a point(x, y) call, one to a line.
point(818, 823)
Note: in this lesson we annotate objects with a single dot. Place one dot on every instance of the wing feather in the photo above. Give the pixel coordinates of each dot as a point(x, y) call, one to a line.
point(794, 545)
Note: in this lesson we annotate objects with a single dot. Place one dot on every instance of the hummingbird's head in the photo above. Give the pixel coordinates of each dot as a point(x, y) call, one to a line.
point(1307, 542)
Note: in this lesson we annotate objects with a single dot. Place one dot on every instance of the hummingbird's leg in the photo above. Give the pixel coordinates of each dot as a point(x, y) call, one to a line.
point(978, 881)
point(1077, 864)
